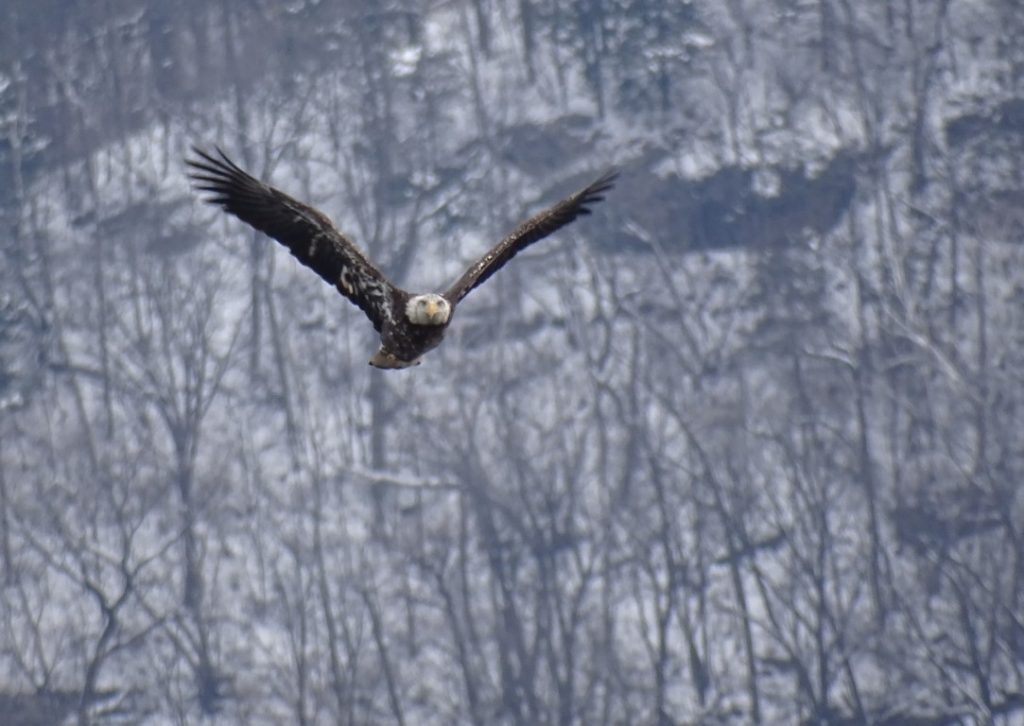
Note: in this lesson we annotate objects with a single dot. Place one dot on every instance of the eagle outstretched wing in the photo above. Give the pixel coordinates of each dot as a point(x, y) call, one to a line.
point(305, 231)
point(532, 230)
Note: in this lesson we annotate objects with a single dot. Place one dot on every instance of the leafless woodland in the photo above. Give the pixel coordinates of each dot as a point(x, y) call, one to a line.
point(745, 446)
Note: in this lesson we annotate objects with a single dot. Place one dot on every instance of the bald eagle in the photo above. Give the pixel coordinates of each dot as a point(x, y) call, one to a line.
point(409, 324)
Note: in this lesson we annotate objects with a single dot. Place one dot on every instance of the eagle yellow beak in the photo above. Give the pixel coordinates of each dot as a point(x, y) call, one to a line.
point(431, 309)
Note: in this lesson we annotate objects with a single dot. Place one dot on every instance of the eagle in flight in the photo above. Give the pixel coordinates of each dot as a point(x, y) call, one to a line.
point(409, 324)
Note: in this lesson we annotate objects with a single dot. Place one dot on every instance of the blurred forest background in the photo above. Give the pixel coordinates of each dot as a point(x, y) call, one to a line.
point(745, 446)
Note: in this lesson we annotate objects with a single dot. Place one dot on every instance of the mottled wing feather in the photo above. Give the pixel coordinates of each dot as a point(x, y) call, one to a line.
point(532, 230)
point(305, 231)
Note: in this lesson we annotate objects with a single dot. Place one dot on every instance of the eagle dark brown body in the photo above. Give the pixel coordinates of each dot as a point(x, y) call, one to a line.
point(409, 324)
point(402, 346)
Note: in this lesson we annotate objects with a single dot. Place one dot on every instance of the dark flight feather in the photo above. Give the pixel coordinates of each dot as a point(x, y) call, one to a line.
point(310, 236)
point(532, 230)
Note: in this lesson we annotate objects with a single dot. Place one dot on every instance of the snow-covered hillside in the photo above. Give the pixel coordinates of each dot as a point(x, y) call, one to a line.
point(743, 446)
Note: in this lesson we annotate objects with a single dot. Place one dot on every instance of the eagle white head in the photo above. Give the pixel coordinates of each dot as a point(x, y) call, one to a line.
point(428, 309)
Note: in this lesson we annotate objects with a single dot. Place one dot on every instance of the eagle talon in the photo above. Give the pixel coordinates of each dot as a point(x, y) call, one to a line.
point(387, 360)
